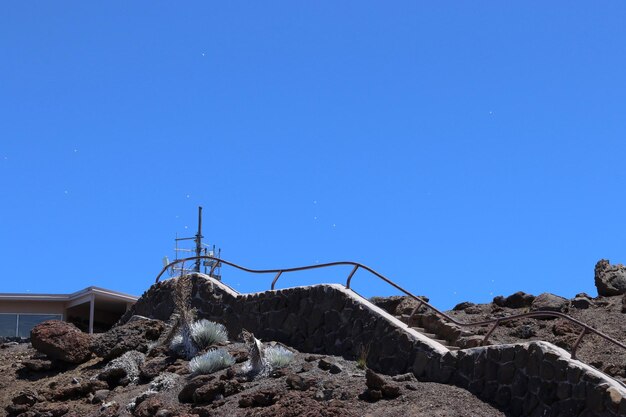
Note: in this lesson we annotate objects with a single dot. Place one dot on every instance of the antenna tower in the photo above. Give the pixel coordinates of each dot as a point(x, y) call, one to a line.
point(201, 249)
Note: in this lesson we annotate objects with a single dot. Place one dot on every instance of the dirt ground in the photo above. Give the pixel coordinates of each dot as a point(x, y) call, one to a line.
point(329, 394)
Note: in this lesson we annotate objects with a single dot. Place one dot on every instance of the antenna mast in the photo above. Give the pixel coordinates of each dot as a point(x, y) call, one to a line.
point(199, 239)
point(201, 249)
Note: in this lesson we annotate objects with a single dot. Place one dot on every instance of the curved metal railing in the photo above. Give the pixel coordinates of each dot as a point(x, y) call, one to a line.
point(586, 329)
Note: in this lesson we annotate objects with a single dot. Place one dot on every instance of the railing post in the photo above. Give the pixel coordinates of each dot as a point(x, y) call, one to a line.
point(577, 342)
point(414, 312)
point(276, 278)
point(489, 332)
point(351, 275)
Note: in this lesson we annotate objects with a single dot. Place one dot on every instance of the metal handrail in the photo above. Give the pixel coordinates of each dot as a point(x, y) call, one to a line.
point(586, 329)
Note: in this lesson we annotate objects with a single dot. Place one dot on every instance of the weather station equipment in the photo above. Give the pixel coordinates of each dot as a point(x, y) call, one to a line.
point(210, 267)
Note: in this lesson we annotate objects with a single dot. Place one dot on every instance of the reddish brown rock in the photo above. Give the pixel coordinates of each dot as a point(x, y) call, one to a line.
point(148, 408)
point(61, 341)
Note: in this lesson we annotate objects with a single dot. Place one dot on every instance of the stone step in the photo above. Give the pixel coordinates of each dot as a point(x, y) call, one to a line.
point(435, 338)
point(424, 332)
point(404, 318)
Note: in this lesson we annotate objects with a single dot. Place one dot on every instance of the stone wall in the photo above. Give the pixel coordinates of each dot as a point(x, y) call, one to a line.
point(531, 379)
point(534, 379)
point(324, 319)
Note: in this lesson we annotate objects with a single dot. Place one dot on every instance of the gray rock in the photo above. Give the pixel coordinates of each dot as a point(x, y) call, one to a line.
point(123, 370)
point(610, 279)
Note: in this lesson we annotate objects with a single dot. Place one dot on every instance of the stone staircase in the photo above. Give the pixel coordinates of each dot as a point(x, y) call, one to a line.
point(434, 327)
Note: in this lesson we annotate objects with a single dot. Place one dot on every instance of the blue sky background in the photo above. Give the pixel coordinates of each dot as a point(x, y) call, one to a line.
point(463, 149)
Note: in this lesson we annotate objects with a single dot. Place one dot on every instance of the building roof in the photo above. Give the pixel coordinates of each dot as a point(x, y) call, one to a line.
point(101, 292)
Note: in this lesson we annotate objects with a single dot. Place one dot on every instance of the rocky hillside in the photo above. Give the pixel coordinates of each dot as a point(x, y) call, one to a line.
point(158, 384)
point(171, 361)
point(605, 312)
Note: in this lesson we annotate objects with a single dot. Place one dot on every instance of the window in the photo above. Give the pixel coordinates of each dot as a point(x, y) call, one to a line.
point(12, 325)
point(28, 321)
point(8, 324)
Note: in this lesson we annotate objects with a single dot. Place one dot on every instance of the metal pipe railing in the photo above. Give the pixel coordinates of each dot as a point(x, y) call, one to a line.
point(586, 329)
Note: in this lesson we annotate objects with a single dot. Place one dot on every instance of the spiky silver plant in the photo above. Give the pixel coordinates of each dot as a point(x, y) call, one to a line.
point(206, 333)
point(212, 361)
point(278, 356)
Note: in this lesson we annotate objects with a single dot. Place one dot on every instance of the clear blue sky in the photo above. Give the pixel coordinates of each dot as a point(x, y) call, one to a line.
point(463, 149)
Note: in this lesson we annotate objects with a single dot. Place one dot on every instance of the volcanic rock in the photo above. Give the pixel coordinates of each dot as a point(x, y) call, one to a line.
point(136, 334)
point(463, 305)
point(378, 387)
point(581, 303)
point(186, 394)
point(549, 302)
point(26, 397)
point(262, 398)
point(148, 408)
point(61, 341)
point(517, 300)
point(610, 279)
point(38, 365)
point(297, 382)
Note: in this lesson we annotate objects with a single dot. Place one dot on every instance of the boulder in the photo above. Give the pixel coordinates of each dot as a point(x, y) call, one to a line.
point(378, 387)
point(499, 300)
point(610, 279)
point(549, 302)
point(581, 303)
point(148, 408)
point(517, 300)
point(297, 382)
point(463, 305)
point(373, 380)
point(186, 394)
point(136, 334)
point(61, 341)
